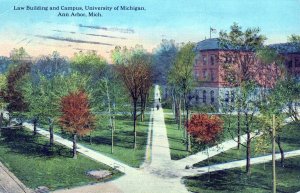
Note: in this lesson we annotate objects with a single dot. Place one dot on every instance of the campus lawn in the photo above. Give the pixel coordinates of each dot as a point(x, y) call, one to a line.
point(289, 141)
point(123, 138)
point(35, 164)
point(260, 180)
point(176, 136)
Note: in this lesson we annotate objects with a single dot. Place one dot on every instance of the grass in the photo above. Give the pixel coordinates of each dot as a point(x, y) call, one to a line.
point(123, 139)
point(290, 141)
point(176, 137)
point(260, 180)
point(36, 164)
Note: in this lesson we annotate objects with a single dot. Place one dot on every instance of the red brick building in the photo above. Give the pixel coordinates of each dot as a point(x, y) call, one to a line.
point(209, 72)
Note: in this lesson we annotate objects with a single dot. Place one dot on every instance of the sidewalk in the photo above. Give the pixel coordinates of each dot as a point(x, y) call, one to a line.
point(215, 150)
point(236, 164)
point(161, 156)
point(9, 183)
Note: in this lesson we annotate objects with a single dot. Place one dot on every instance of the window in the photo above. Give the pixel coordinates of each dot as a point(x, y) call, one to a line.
point(289, 63)
point(196, 73)
point(212, 75)
point(204, 60)
point(227, 96)
point(204, 74)
point(232, 96)
point(197, 96)
point(204, 96)
point(212, 97)
point(228, 59)
point(212, 59)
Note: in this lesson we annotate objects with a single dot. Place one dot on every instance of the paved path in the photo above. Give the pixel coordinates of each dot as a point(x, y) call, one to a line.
point(9, 183)
point(236, 164)
point(161, 156)
point(201, 156)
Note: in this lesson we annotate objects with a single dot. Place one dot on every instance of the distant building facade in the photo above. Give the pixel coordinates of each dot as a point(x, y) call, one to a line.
point(208, 71)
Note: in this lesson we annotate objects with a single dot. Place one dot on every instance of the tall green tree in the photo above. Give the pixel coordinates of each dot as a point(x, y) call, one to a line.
point(181, 77)
point(239, 65)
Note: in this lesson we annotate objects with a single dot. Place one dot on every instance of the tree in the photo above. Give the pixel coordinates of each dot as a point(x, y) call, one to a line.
point(205, 129)
point(294, 38)
point(3, 83)
point(39, 86)
point(44, 98)
point(240, 63)
point(89, 64)
point(76, 116)
point(133, 67)
point(163, 59)
point(19, 55)
point(182, 79)
point(273, 99)
point(11, 94)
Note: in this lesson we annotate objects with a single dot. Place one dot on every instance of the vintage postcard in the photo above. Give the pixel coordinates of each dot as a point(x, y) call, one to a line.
point(149, 96)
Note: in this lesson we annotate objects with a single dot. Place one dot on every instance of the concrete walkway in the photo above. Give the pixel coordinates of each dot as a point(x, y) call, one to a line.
point(201, 156)
point(161, 156)
point(9, 183)
point(236, 164)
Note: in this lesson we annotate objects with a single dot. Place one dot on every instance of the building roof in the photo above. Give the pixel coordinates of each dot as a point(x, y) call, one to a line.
point(208, 44)
point(286, 48)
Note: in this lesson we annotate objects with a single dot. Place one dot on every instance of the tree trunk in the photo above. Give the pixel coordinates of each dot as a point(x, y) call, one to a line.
point(281, 150)
point(188, 137)
point(51, 134)
point(1, 122)
point(248, 153)
point(134, 122)
point(179, 114)
point(91, 137)
point(75, 146)
point(34, 126)
point(208, 164)
point(239, 129)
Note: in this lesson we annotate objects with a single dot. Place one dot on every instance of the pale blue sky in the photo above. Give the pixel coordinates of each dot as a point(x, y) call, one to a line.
point(183, 20)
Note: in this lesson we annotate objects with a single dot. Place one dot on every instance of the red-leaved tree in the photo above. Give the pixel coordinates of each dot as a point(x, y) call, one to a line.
point(76, 117)
point(205, 129)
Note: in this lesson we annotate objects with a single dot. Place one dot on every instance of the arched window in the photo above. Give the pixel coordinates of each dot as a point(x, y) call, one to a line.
point(212, 97)
point(204, 96)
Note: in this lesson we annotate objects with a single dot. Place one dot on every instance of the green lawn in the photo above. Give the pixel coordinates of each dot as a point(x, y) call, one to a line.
point(290, 141)
point(35, 164)
point(123, 139)
point(260, 181)
point(176, 136)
